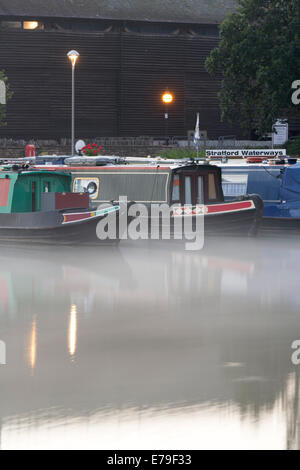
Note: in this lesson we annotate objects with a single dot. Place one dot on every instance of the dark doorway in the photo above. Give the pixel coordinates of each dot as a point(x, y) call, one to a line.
point(33, 192)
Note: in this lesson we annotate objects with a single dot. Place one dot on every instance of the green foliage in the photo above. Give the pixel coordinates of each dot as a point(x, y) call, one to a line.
point(182, 153)
point(293, 147)
point(9, 95)
point(258, 58)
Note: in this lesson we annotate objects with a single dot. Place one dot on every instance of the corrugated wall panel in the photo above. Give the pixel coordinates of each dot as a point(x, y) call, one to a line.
point(40, 76)
point(201, 97)
point(119, 81)
point(143, 112)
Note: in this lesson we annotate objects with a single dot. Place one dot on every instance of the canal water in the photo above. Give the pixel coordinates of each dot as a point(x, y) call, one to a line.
point(149, 346)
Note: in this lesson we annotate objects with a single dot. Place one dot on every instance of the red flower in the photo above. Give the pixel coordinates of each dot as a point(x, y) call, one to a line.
point(95, 152)
point(89, 147)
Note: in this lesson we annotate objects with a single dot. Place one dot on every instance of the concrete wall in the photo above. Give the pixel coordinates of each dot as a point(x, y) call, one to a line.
point(10, 148)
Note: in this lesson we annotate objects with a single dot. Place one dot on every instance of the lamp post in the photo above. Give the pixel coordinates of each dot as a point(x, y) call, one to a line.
point(167, 98)
point(73, 56)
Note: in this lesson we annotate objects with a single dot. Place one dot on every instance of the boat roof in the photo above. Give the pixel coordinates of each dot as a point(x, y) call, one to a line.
point(43, 172)
point(36, 172)
point(143, 166)
point(109, 160)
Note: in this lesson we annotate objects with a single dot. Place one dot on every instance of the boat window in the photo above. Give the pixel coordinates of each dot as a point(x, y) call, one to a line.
point(234, 185)
point(176, 189)
point(188, 190)
point(89, 185)
point(200, 195)
point(212, 193)
point(32, 25)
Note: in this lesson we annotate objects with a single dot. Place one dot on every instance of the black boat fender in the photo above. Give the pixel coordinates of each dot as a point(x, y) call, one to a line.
point(259, 203)
point(259, 206)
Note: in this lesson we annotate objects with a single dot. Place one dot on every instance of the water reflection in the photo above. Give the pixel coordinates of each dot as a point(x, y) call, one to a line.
point(32, 345)
point(149, 346)
point(72, 336)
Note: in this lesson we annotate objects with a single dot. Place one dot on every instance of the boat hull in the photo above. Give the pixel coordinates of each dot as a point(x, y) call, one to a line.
point(236, 218)
point(51, 228)
point(234, 224)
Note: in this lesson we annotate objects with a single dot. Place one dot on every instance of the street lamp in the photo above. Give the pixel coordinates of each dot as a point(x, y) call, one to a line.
point(167, 98)
point(73, 56)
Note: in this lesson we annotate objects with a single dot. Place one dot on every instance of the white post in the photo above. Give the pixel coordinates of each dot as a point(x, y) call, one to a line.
point(73, 110)
point(2, 92)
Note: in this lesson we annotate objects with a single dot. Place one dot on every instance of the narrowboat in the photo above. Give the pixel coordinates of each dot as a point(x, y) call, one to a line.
point(193, 189)
point(284, 213)
point(279, 188)
point(39, 207)
point(261, 179)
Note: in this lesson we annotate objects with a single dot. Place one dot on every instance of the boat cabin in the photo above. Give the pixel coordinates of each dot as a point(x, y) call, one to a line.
point(190, 184)
point(196, 184)
point(31, 191)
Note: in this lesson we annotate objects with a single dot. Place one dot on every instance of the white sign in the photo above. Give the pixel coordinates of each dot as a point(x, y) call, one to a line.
point(246, 153)
point(281, 132)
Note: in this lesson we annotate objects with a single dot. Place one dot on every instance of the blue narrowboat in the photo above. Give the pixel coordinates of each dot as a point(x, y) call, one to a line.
point(264, 180)
point(278, 186)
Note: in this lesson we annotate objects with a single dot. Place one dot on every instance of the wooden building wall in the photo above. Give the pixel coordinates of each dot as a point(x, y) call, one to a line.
point(119, 80)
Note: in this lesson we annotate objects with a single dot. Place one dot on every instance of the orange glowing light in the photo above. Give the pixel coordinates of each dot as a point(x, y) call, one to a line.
point(30, 25)
point(167, 97)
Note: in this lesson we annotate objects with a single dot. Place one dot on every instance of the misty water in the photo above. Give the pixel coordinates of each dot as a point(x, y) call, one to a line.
point(149, 346)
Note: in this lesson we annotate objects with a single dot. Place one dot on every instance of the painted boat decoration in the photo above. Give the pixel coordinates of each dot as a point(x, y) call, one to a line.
point(196, 187)
point(39, 207)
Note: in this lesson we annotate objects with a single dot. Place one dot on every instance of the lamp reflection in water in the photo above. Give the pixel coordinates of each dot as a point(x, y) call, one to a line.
point(33, 345)
point(72, 334)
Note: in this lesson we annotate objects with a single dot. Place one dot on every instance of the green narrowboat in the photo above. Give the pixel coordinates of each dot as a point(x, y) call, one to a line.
point(40, 207)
